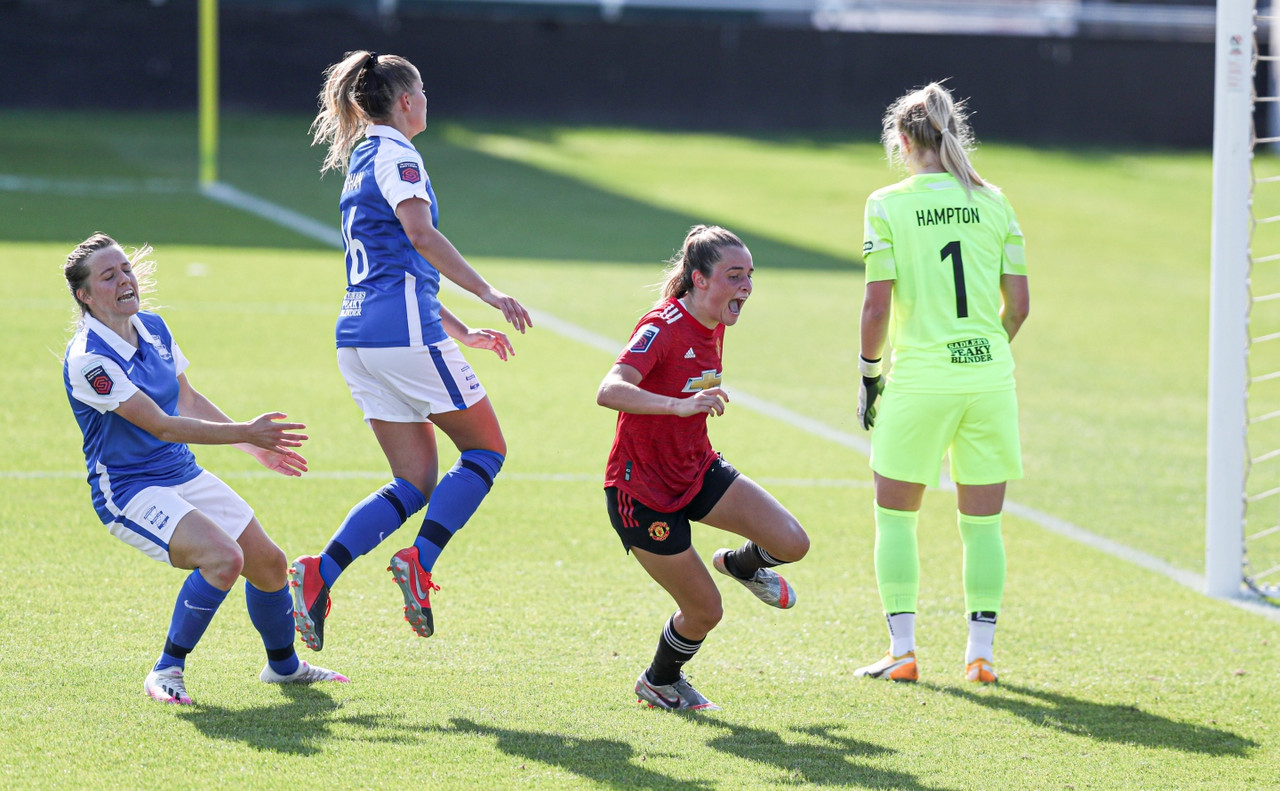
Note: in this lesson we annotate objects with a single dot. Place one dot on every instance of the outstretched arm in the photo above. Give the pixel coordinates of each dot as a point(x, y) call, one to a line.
point(415, 217)
point(200, 422)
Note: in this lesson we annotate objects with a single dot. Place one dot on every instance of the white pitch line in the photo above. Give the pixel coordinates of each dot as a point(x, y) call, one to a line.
point(47, 186)
point(314, 229)
point(378, 475)
point(309, 227)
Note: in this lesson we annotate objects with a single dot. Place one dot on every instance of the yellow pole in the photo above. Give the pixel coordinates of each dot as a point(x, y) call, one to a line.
point(208, 92)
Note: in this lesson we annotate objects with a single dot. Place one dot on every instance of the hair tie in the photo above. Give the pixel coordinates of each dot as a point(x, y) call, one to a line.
point(943, 131)
point(369, 85)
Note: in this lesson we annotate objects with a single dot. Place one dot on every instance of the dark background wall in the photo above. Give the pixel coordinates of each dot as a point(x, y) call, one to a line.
point(695, 73)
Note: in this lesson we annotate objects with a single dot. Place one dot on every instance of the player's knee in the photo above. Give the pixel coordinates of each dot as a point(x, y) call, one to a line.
point(484, 463)
point(406, 496)
point(714, 615)
point(224, 566)
point(792, 544)
point(705, 615)
point(274, 562)
point(799, 543)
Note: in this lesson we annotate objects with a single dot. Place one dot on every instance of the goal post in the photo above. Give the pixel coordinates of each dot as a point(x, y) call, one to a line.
point(1242, 521)
point(208, 82)
point(1229, 297)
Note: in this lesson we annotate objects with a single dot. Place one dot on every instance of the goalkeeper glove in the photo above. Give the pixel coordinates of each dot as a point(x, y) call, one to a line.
point(872, 387)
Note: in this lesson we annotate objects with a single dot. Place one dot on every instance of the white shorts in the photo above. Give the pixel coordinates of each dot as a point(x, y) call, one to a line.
point(148, 520)
point(408, 384)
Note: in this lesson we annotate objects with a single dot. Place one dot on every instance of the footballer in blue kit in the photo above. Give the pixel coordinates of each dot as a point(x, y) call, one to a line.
point(397, 345)
point(100, 371)
point(126, 382)
point(391, 297)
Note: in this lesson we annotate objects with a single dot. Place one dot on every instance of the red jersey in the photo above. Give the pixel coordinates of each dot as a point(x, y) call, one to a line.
point(660, 459)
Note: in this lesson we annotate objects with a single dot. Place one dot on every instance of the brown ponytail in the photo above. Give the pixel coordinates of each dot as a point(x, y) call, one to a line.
point(701, 250)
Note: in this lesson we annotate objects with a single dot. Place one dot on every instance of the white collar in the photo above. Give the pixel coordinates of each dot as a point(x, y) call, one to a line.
point(123, 347)
point(383, 130)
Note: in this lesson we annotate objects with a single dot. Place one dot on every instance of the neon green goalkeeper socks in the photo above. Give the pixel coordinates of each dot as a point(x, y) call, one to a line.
point(897, 559)
point(984, 562)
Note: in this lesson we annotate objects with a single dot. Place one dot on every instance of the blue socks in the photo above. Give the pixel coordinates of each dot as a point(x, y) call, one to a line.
point(373, 519)
point(455, 499)
point(272, 616)
point(197, 602)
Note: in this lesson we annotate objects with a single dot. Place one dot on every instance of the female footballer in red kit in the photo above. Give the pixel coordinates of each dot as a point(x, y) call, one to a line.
point(662, 472)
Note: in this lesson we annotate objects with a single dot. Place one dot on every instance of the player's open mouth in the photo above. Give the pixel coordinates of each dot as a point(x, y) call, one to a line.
point(735, 306)
point(126, 296)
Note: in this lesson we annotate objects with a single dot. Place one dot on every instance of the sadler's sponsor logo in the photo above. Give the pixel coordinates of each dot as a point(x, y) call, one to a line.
point(352, 303)
point(973, 350)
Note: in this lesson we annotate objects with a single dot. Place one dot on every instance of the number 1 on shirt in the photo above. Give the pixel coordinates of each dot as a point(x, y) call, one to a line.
point(952, 250)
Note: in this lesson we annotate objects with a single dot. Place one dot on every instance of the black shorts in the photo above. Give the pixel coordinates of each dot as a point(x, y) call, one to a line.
point(667, 533)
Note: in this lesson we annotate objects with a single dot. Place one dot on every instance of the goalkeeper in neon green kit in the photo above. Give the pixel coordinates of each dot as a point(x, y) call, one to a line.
point(945, 266)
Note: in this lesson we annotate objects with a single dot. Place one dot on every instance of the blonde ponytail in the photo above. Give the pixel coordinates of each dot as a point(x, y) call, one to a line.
point(358, 90)
point(933, 121)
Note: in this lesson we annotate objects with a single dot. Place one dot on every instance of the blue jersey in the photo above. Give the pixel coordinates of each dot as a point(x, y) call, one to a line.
point(101, 370)
point(391, 297)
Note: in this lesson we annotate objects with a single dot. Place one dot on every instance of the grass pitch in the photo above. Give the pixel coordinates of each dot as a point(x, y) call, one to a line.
point(1112, 676)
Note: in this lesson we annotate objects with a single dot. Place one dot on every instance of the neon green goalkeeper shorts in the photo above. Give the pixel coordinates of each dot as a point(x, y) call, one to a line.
point(980, 430)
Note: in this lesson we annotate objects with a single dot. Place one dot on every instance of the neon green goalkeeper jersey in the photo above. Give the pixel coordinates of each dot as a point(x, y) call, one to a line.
point(945, 252)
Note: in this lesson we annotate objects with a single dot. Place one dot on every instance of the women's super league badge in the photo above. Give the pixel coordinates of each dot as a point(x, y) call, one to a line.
point(409, 172)
point(99, 380)
point(643, 339)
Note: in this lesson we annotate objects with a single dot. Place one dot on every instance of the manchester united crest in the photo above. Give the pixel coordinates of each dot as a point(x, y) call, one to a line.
point(659, 531)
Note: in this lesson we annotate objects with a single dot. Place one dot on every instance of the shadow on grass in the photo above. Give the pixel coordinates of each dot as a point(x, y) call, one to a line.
point(490, 206)
point(606, 761)
point(303, 725)
point(612, 762)
point(500, 208)
point(1110, 722)
point(829, 763)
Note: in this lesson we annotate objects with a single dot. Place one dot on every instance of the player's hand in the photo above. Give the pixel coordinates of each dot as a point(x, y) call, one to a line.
point(711, 401)
point(285, 462)
point(512, 310)
point(493, 340)
point(265, 432)
point(869, 392)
